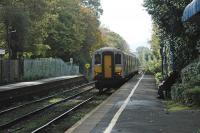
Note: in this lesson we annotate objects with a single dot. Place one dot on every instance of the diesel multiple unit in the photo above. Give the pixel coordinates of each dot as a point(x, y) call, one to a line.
point(111, 67)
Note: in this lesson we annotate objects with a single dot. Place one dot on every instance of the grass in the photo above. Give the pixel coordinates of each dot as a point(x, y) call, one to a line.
point(171, 106)
point(55, 100)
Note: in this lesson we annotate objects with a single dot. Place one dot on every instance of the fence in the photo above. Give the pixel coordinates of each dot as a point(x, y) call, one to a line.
point(49, 67)
point(32, 69)
point(10, 70)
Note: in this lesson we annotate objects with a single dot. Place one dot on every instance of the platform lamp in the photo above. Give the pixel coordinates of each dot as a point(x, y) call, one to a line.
point(2, 52)
point(173, 65)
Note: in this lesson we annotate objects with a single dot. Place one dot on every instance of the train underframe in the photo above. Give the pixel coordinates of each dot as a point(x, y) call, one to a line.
point(114, 82)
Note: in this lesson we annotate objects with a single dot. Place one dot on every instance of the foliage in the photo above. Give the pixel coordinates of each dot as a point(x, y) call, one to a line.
point(153, 67)
point(54, 28)
point(175, 107)
point(179, 38)
point(158, 77)
point(16, 25)
point(155, 42)
point(49, 28)
point(145, 55)
point(192, 95)
point(191, 73)
point(176, 43)
point(113, 39)
point(188, 90)
point(177, 92)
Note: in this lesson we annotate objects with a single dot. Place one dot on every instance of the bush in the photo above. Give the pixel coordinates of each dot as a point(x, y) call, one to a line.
point(191, 73)
point(158, 77)
point(153, 67)
point(192, 96)
point(189, 90)
point(177, 92)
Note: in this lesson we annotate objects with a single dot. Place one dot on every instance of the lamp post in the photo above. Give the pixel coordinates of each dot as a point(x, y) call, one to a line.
point(162, 59)
point(2, 52)
point(9, 33)
point(172, 40)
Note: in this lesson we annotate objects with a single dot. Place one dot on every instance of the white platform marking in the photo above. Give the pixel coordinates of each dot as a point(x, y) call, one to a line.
point(117, 115)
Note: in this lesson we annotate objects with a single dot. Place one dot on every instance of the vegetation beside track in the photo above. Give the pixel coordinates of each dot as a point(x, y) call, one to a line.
point(176, 47)
point(172, 106)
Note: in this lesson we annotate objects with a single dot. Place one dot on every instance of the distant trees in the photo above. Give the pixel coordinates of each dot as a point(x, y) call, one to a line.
point(113, 39)
point(148, 60)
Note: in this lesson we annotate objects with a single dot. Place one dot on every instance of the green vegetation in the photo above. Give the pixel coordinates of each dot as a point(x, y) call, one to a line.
point(198, 131)
point(174, 107)
point(57, 29)
point(188, 89)
point(176, 47)
point(150, 62)
point(113, 39)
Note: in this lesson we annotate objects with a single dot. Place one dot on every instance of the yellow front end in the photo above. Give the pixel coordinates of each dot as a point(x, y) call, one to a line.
point(118, 70)
point(97, 70)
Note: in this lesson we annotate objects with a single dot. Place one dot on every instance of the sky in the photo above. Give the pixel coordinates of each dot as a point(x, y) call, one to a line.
point(129, 19)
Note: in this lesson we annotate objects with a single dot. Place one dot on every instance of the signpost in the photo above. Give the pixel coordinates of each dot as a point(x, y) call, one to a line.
point(71, 62)
point(2, 52)
point(87, 66)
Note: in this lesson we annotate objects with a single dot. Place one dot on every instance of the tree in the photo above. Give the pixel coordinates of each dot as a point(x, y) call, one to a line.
point(113, 39)
point(16, 26)
point(177, 40)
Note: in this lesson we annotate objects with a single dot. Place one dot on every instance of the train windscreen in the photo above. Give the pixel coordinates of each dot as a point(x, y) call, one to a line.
point(117, 58)
point(97, 59)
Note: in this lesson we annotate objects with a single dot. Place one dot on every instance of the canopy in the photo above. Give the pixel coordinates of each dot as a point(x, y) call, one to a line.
point(192, 11)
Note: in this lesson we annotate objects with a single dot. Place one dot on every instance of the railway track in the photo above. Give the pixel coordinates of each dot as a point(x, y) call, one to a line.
point(39, 129)
point(42, 99)
point(89, 86)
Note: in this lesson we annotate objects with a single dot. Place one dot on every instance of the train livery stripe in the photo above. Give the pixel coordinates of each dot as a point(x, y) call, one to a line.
point(121, 109)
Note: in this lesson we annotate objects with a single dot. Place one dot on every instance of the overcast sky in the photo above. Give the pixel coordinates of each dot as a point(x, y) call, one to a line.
point(129, 19)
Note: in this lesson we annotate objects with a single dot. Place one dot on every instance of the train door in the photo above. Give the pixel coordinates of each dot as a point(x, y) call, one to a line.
point(108, 66)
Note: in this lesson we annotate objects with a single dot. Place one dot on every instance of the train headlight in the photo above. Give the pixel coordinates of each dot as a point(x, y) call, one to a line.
point(119, 73)
point(96, 73)
point(118, 70)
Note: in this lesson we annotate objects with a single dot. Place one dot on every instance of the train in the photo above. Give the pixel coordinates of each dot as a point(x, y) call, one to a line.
point(111, 67)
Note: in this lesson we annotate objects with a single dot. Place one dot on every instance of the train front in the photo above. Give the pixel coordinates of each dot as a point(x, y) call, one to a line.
point(108, 67)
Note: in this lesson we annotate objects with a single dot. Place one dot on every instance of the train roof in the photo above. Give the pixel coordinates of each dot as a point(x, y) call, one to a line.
point(115, 49)
point(108, 49)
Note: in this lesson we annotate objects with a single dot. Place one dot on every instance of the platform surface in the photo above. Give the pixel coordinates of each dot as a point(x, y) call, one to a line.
point(141, 112)
point(33, 83)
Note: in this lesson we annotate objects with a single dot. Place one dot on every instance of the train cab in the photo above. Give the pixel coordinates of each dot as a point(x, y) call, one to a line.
point(107, 66)
point(111, 67)
point(107, 63)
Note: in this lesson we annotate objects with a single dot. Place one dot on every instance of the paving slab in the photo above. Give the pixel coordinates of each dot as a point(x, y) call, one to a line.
point(143, 113)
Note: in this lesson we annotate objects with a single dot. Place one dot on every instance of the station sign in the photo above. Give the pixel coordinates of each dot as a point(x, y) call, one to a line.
point(2, 52)
point(71, 60)
point(87, 66)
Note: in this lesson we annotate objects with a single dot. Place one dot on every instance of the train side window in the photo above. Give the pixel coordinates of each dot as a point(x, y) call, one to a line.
point(117, 58)
point(97, 59)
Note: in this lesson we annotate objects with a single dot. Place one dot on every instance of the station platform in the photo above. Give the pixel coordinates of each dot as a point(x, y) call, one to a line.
point(134, 108)
point(34, 83)
point(24, 88)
